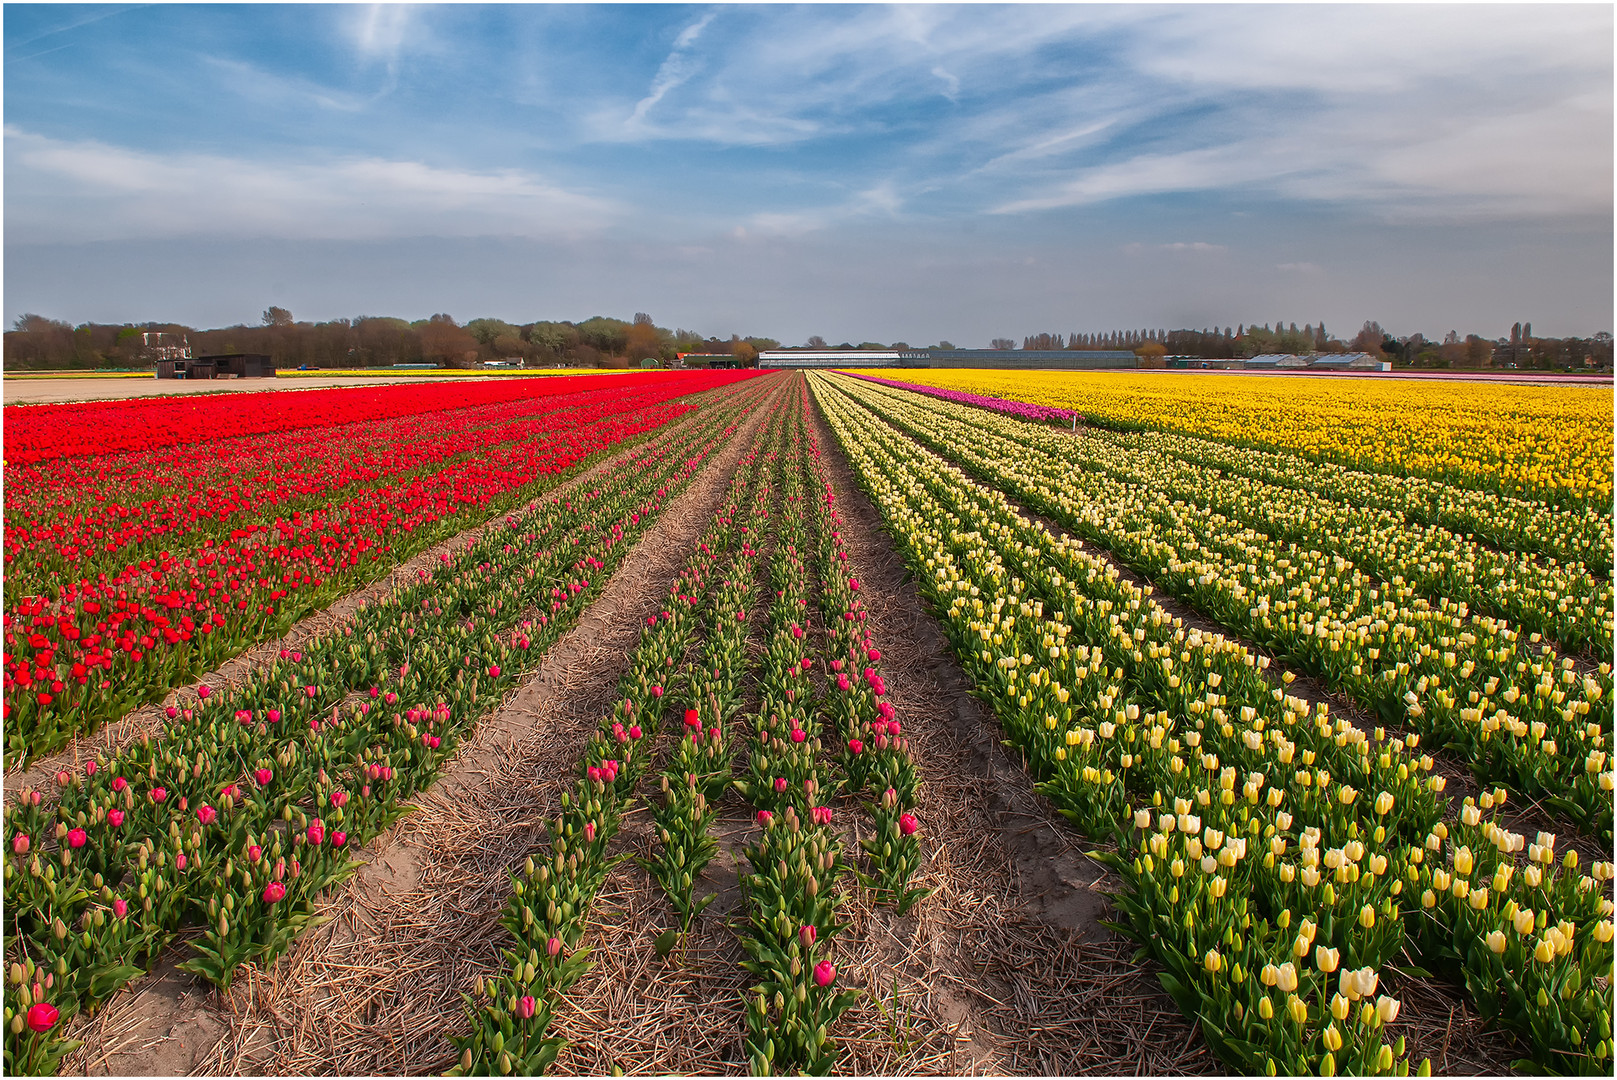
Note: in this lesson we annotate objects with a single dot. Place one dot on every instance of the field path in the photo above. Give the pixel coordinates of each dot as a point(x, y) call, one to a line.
point(377, 988)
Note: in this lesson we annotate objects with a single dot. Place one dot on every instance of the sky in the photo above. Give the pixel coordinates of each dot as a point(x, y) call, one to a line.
point(881, 173)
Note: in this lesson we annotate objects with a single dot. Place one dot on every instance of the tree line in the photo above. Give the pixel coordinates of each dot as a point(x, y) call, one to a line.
point(39, 343)
point(1521, 349)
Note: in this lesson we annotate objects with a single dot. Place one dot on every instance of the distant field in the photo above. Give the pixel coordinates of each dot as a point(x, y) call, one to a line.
point(40, 389)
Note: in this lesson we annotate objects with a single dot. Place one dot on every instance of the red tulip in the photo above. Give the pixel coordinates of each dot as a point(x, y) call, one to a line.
point(274, 892)
point(204, 691)
point(42, 1017)
point(263, 776)
point(494, 671)
point(89, 768)
point(856, 746)
point(798, 734)
point(77, 837)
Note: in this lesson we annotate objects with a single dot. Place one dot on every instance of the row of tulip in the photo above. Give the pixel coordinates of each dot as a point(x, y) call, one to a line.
point(1022, 410)
point(553, 896)
point(875, 756)
point(103, 647)
point(1506, 522)
point(794, 863)
point(700, 768)
point(1187, 725)
point(1520, 713)
point(72, 519)
point(249, 805)
point(1547, 444)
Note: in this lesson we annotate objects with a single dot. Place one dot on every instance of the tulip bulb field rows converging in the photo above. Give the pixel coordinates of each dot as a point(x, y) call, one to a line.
point(1265, 845)
point(1432, 562)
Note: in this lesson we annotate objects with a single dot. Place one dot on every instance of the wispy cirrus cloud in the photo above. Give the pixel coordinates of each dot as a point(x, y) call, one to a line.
point(86, 190)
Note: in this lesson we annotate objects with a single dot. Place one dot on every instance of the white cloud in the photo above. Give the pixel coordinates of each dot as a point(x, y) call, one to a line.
point(676, 68)
point(94, 191)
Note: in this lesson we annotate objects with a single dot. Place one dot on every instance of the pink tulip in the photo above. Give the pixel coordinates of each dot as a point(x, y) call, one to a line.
point(203, 692)
point(20, 844)
point(254, 853)
point(206, 814)
point(63, 778)
point(525, 1007)
point(115, 818)
point(172, 712)
point(316, 832)
point(180, 861)
point(853, 586)
point(119, 783)
point(907, 824)
point(338, 839)
point(494, 671)
point(634, 731)
point(120, 907)
point(89, 768)
point(855, 746)
point(765, 817)
point(824, 972)
point(274, 892)
point(780, 785)
point(656, 691)
point(589, 832)
point(821, 815)
point(798, 734)
point(873, 655)
point(274, 716)
point(159, 794)
point(339, 798)
point(263, 776)
point(806, 936)
point(553, 946)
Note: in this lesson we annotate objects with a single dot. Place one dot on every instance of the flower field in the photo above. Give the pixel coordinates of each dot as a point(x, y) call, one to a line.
point(1321, 707)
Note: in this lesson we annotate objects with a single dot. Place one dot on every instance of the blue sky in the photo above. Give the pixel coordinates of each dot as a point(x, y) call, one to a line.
point(862, 172)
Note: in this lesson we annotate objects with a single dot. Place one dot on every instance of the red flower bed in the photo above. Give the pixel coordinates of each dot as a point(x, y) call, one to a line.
point(82, 650)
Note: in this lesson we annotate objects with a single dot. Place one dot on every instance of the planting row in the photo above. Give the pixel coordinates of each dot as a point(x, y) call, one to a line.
point(246, 809)
point(1551, 445)
point(1516, 710)
point(1275, 859)
point(99, 648)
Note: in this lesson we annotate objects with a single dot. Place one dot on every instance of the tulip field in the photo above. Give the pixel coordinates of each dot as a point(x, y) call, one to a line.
point(1318, 682)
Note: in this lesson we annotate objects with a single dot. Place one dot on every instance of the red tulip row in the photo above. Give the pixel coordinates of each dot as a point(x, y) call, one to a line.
point(106, 646)
point(794, 865)
point(71, 520)
point(552, 898)
point(875, 754)
point(245, 810)
point(698, 771)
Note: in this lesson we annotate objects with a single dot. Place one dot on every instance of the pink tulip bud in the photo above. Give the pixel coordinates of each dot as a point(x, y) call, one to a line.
point(494, 671)
point(589, 832)
point(115, 818)
point(263, 776)
point(339, 798)
point(553, 946)
point(765, 817)
point(824, 972)
point(63, 778)
point(780, 785)
point(20, 844)
point(206, 814)
point(316, 832)
point(907, 824)
point(171, 712)
point(254, 853)
point(120, 907)
point(180, 861)
point(634, 731)
point(889, 798)
point(89, 768)
point(656, 691)
point(842, 682)
point(798, 734)
point(119, 783)
point(338, 839)
point(525, 1007)
point(855, 746)
point(806, 935)
point(159, 794)
point(274, 892)
point(204, 691)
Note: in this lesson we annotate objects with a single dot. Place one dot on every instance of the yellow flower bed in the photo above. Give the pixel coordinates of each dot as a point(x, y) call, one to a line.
point(1543, 441)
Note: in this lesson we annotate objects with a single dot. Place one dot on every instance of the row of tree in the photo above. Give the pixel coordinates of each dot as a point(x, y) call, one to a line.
point(35, 342)
point(1521, 349)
